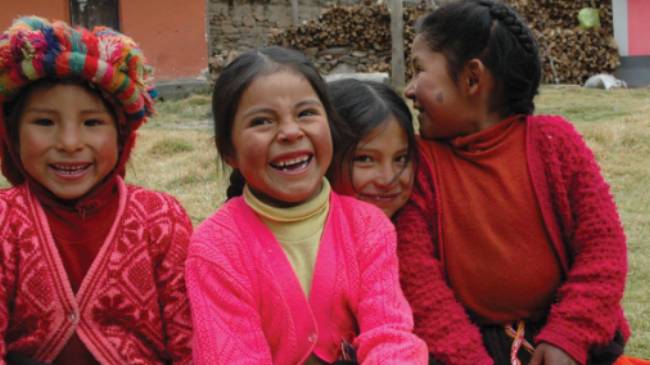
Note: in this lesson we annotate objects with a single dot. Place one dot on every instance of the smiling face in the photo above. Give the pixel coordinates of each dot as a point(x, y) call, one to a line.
point(281, 138)
point(381, 173)
point(67, 139)
point(438, 98)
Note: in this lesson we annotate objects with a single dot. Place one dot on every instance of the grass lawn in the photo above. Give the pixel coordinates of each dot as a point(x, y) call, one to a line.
point(175, 153)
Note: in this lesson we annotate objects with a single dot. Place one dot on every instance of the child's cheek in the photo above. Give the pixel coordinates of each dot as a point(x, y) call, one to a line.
point(428, 95)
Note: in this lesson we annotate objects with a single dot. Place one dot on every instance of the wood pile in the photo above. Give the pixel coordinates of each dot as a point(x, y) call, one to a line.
point(358, 36)
point(571, 54)
point(355, 35)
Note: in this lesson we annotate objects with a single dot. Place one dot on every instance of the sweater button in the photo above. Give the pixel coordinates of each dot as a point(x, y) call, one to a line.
point(312, 338)
point(73, 317)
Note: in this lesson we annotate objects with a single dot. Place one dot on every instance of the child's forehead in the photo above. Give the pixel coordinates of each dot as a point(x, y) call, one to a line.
point(282, 82)
point(276, 74)
point(52, 91)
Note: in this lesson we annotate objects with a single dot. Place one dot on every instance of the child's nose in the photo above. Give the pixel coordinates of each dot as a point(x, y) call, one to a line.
point(69, 139)
point(409, 91)
point(385, 176)
point(290, 131)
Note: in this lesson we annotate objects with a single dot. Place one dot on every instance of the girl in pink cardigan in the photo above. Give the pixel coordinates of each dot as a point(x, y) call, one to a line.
point(288, 272)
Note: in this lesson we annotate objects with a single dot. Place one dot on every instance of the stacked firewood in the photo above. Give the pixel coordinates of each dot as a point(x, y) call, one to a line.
point(570, 53)
point(359, 36)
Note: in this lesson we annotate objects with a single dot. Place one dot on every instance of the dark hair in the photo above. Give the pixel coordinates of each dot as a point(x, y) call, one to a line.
point(13, 109)
point(363, 106)
point(235, 79)
point(494, 33)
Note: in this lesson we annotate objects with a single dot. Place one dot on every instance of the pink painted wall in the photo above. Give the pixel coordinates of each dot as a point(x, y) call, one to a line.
point(171, 34)
point(50, 9)
point(638, 27)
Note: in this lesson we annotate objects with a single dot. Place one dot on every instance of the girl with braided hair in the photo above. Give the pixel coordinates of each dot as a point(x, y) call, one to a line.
point(91, 269)
point(511, 248)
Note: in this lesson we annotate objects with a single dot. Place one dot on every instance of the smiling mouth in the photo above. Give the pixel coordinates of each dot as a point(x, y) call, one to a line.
point(380, 197)
point(293, 164)
point(70, 170)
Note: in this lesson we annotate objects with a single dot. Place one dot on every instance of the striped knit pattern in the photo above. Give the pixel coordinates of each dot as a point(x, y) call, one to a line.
point(34, 48)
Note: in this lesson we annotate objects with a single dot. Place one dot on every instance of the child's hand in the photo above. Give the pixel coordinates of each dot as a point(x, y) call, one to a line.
point(546, 354)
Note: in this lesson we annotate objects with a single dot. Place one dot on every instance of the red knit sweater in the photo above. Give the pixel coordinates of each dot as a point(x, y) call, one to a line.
point(581, 217)
point(131, 307)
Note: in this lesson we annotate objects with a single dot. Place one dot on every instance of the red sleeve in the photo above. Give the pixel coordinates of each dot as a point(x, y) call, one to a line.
point(588, 302)
point(439, 319)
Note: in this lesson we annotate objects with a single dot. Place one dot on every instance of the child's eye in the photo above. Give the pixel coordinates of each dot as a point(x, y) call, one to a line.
point(402, 160)
point(416, 69)
point(308, 113)
point(44, 122)
point(362, 159)
point(93, 122)
point(259, 121)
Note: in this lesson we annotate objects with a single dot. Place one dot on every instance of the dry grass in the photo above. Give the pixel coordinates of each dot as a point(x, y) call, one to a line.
point(175, 153)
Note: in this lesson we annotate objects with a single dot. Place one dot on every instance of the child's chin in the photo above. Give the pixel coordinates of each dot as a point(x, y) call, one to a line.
point(69, 194)
point(298, 196)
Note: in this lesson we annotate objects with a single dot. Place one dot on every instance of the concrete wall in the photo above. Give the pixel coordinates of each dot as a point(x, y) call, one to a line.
point(639, 27)
point(632, 33)
point(171, 33)
point(631, 26)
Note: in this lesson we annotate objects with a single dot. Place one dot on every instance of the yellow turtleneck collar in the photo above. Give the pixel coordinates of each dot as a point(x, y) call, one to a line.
point(298, 229)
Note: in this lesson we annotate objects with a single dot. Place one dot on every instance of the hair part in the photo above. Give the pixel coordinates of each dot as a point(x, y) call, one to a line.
point(495, 34)
point(364, 106)
point(237, 76)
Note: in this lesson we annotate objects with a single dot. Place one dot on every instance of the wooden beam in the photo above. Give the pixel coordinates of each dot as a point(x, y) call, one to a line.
point(397, 40)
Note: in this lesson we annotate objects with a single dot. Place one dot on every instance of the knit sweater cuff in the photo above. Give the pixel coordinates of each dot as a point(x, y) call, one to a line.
point(553, 336)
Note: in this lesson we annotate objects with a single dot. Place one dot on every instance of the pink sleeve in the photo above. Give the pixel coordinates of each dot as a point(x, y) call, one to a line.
point(588, 303)
point(227, 326)
point(384, 317)
point(439, 318)
point(170, 277)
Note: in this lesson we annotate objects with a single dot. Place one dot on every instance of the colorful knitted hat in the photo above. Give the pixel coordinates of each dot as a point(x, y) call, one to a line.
point(34, 48)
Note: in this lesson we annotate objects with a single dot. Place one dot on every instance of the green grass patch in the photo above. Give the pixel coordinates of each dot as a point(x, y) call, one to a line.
point(170, 146)
point(183, 113)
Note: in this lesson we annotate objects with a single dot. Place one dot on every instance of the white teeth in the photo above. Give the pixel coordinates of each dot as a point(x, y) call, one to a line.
point(295, 161)
point(70, 169)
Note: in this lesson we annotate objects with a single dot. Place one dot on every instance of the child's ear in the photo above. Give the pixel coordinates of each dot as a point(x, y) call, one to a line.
point(474, 76)
point(231, 161)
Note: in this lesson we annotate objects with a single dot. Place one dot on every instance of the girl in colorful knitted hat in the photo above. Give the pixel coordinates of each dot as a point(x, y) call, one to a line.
point(511, 248)
point(290, 272)
point(375, 162)
point(91, 268)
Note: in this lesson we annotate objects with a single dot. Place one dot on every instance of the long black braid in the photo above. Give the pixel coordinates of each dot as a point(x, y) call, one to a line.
point(509, 18)
point(494, 33)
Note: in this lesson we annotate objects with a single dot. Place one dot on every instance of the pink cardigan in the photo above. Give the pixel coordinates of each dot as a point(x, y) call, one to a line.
point(248, 306)
point(131, 307)
point(587, 236)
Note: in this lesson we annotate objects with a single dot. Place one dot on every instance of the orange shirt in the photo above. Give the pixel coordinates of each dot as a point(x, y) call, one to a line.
point(498, 256)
